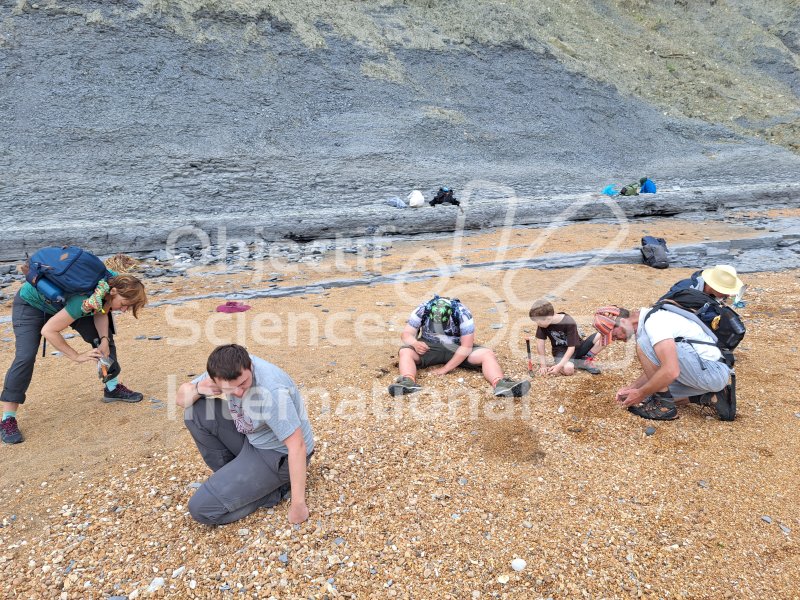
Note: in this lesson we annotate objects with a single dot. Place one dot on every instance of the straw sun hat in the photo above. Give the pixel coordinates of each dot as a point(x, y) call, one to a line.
point(722, 279)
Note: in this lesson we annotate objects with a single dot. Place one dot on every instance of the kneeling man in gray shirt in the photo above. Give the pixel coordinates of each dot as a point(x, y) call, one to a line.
point(258, 440)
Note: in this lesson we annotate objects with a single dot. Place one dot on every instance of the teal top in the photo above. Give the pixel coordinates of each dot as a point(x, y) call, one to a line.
point(73, 306)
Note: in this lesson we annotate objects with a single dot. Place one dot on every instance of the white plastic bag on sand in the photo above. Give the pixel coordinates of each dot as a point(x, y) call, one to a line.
point(415, 199)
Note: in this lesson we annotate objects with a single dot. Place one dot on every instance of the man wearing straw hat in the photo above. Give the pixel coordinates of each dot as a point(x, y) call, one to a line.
point(720, 281)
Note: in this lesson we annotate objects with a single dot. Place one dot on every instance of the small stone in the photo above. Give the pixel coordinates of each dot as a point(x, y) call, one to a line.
point(195, 485)
point(703, 484)
point(154, 399)
point(339, 541)
point(527, 524)
point(503, 579)
point(575, 429)
point(140, 337)
point(56, 353)
point(797, 414)
point(650, 431)
point(178, 572)
point(785, 529)
point(766, 519)
point(497, 325)
point(518, 564)
point(561, 410)
point(462, 481)
point(156, 584)
point(154, 337)
point(69, 336)
point(244, 531)
point(284, 558)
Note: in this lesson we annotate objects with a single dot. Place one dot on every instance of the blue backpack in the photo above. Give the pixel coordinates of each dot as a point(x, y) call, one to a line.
point(58, 273)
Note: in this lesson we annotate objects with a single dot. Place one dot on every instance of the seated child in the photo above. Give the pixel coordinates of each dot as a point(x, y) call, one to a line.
point(569, 350)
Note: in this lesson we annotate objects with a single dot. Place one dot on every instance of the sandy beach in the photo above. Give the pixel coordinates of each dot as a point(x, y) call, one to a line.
point(427, 496)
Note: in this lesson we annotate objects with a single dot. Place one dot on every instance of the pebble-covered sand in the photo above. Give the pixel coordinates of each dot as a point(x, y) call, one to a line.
point(436, 495)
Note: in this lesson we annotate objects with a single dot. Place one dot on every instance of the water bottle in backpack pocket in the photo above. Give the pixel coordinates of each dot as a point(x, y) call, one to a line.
point(58, 273)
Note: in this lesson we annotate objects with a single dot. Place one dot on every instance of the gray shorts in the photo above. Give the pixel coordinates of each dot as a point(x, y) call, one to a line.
point(439, 354)
point(698, 375)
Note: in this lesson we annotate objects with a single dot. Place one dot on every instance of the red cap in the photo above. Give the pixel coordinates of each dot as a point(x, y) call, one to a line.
point(605, 319)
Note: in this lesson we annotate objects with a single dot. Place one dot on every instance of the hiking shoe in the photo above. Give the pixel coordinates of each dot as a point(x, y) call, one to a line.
point(121, 394)
point(658, 407)
point(586, 364)
point(286, 491)
point(10, 431)
point(508, 388)
point(404, 385)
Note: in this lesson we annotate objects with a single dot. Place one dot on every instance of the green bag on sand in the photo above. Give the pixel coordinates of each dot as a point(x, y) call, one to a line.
point(632, 189)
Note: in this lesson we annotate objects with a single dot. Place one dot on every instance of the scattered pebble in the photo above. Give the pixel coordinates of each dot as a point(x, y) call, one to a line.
point(703, 484)
point(561, 410)
point(284, 558)
point(462, 481)
point(244, 531)
point(140, 337)
point(339, 541)
point(156, 584)
point(497, 325)
point(518, 564)
point(178, 572)
point(650, 431)
point(766, 519)
point(785, 529)
point(154, 337)
point(195, 485)
point(503, 579)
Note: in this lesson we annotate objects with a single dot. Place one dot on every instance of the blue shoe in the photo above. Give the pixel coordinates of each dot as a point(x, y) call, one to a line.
point(10, 431)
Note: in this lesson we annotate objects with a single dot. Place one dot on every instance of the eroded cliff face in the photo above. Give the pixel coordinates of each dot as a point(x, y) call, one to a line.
point(140, 117)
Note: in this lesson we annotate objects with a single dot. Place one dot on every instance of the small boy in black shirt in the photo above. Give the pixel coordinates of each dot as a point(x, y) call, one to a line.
point(569, 350)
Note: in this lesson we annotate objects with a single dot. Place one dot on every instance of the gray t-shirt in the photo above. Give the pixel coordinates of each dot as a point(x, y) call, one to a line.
point(271, 410)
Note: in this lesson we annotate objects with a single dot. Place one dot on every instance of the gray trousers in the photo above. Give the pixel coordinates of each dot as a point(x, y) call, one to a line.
point(28, 322)
point(245, 478)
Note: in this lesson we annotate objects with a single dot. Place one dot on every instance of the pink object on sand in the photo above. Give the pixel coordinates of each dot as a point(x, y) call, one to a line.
point(232, 306)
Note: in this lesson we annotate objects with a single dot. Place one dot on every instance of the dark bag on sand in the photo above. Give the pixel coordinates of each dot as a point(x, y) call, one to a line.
point(654, 252)
point(632, 189)
point(444, 196)
point(58, 273)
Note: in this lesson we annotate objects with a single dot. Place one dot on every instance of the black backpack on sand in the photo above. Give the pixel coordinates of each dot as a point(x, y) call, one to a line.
point(654, 252)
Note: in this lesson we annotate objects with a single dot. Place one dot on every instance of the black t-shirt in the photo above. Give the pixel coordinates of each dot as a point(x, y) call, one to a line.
point(562, 335)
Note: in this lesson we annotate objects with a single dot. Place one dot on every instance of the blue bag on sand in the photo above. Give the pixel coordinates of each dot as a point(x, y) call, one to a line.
point(609, 191)
point(396, 202)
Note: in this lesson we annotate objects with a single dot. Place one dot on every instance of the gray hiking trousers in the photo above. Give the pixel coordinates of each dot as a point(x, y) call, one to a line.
point(245, 478)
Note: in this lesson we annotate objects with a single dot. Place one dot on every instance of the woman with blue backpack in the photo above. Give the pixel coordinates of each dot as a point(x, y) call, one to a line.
point(55, 296)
